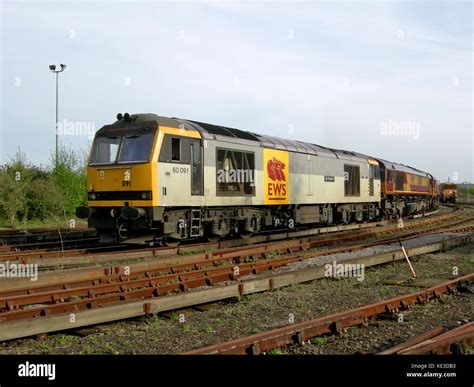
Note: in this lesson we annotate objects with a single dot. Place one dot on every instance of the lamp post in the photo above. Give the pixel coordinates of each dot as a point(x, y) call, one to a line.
point(53, 70)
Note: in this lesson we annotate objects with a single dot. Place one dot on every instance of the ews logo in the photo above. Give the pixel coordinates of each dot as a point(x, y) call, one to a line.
point(276, 177)
point(275, 172)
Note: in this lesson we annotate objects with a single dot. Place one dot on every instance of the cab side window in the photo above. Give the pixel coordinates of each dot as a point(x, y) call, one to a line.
point(175, 149)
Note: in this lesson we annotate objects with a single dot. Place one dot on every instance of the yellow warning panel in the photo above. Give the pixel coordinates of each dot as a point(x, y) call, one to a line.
point(276, 174)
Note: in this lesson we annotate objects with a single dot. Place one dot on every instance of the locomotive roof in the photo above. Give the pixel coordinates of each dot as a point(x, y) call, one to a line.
point(138, 120)
point(218, 132)
point(401, 167)
point(211, 131)
point(447, 186)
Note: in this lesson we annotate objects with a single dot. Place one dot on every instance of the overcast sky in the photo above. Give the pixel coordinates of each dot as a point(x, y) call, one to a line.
point(391, 79)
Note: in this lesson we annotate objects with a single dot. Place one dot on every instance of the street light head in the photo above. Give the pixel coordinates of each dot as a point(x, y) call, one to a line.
point(52, 67)
point(63, 66)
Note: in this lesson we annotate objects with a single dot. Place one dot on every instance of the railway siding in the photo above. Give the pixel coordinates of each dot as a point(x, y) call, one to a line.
point(127, 309)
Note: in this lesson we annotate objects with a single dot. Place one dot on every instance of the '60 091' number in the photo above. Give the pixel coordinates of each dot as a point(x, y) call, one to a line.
point(180, 169)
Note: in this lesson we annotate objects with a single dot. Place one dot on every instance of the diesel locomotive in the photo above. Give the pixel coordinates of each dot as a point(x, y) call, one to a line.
point(448, 192)
point(157, 179)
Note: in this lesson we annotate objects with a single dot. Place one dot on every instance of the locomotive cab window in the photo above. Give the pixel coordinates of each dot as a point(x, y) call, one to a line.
point(105, 150)
point(175, 149)
point(351, 180)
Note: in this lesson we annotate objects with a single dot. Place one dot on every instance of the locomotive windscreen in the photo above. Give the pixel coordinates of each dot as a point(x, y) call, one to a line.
point(132, 146)
point(105, 149)
point(136, 148)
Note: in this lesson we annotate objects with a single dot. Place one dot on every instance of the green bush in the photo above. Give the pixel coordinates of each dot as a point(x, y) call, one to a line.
point(43, 199)
point(12, 198)
point(28, 192)
point(69, 175)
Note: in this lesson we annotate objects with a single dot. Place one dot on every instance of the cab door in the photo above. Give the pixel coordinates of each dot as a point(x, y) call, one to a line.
point(372, 176)
point(197, 168)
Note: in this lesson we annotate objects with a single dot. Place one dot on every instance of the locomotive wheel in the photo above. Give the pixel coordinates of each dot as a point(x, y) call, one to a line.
point(246, 234)
point(209, 235)
point(171, 242)
point(212, 237)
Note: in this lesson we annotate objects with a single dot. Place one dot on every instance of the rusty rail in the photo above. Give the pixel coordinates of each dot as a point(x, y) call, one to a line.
point(173, 265)
point(135, 304)
point(331, 324)
point(447, 343)
point(416, 340)
point(155, 281)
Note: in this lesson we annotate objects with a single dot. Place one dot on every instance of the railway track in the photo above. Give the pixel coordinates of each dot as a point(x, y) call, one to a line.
point(448, 343)
point(434, 342)
point(112, 295)
point(93, 288)
point(42, 242)
point(310, 239)
point(183, 249)
point(182, 273)
point(23, 253)
point(46, 238)
point(40, 231)
point(457, 205)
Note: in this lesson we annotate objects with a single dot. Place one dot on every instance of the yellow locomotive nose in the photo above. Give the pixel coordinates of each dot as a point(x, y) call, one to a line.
point(120, 186)
point(121, 177)
point(107, 179)
point(121, 169)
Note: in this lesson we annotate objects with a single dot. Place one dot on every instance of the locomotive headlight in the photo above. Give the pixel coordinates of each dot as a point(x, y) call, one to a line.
point(92, 196)
point(145, 195)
